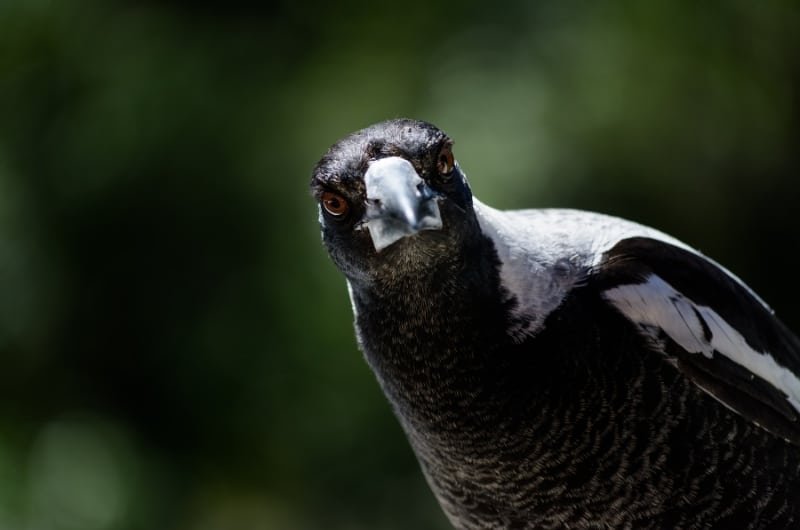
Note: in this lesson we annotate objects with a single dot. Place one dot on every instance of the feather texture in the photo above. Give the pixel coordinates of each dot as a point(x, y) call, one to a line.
point(564, 369)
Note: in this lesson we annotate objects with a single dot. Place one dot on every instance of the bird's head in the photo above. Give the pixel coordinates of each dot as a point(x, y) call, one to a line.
point(392, 200)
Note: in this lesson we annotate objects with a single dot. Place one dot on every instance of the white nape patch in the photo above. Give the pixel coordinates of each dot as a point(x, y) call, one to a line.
point(545, 253)
point(656, 305)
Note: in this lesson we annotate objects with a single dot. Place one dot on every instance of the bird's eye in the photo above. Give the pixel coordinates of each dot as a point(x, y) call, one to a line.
point(445, 162)
point(334, 204)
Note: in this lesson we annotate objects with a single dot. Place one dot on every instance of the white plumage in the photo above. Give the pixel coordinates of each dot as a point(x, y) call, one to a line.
point(656, 305)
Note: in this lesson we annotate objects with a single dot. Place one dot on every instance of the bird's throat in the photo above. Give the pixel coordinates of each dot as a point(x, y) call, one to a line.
point(432, 339)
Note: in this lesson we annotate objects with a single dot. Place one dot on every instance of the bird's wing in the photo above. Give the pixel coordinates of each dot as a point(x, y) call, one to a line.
point(709, 325)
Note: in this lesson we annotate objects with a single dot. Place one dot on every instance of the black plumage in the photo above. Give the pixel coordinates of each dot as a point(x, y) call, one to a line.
point(556, 368)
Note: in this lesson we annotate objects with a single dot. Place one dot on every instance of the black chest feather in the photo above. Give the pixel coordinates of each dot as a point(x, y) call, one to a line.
point(578, 426)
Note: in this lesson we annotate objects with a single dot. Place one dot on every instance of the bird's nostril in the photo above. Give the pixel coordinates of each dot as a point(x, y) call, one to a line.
point(424, 191)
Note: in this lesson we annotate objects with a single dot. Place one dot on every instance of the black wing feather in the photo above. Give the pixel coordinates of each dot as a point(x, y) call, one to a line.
point(633, 260)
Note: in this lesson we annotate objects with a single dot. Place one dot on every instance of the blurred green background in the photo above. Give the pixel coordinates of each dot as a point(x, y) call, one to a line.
point(177, 350)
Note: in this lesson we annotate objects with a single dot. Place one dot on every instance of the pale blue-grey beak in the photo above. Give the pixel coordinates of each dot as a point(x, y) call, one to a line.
point(399, 202)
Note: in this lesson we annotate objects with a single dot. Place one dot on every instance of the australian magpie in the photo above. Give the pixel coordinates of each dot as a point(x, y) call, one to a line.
point(558, 368)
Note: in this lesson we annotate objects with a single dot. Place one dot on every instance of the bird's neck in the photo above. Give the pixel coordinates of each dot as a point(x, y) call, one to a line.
point(436, 340)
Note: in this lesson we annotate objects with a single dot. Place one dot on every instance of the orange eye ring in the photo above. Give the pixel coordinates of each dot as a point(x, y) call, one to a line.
point(445, 163)
point(335, 204)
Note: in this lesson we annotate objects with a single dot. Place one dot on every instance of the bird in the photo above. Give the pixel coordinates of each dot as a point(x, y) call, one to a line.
point(557, 368)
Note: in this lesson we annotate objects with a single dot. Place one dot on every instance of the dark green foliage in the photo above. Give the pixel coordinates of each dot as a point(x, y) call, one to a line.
point(178, 350)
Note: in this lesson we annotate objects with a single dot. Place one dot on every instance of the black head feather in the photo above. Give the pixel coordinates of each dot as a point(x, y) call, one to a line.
point(341, 170)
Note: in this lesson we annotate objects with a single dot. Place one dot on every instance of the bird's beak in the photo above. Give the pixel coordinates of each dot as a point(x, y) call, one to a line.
point(399, 202)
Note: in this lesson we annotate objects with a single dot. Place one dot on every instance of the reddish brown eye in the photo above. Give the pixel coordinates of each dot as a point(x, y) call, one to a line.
point(334, 204)
point(445, 163)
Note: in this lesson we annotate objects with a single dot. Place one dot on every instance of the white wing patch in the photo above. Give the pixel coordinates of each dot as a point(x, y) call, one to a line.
point(655, 305)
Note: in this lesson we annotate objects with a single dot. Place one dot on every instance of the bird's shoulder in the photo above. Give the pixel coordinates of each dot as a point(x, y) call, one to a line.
point(703, 319)
point(545, 253)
